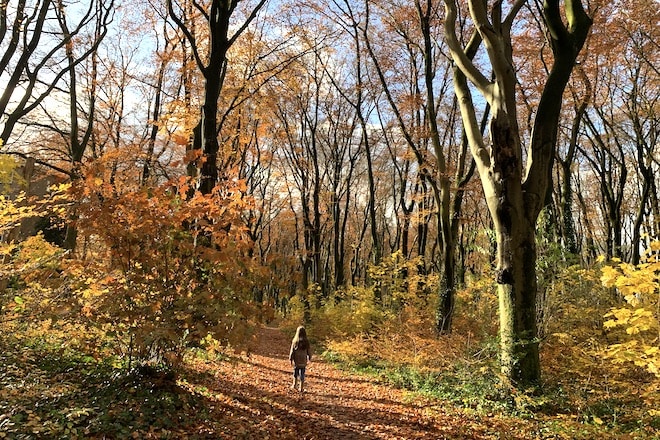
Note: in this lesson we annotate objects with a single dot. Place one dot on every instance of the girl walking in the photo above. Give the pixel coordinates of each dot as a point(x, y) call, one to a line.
point(299, 355)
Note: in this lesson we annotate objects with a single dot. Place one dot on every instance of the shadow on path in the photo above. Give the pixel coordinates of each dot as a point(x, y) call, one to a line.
point(254, 395)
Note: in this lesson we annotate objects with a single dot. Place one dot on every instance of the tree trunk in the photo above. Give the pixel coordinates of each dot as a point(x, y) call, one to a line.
point(566, 209)
point(515, 202)
point(565, 165)
point(591, 253)
point(218, 17)
point(155, 115)
point(516, 255)
point(519, 348)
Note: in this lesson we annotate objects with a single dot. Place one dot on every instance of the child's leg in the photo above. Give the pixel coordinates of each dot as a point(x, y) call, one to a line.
point(302, 379)
point(294, 385)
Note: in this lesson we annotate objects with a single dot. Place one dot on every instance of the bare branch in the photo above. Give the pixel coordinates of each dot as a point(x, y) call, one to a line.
point(186, 32)
point(463, 62)
point(247, 22)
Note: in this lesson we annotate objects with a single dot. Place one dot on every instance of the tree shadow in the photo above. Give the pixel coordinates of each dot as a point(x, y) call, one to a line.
point(325, 419)
point(352, 379)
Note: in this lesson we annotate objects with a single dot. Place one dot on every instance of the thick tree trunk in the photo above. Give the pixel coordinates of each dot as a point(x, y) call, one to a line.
point(519, 348)
point(516, 254)
point(514, 200)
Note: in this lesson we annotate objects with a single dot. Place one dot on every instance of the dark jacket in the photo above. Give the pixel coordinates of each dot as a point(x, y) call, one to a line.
point(300, 356)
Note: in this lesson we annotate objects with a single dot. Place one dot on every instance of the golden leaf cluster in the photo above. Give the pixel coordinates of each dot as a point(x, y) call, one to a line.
point(639, 285)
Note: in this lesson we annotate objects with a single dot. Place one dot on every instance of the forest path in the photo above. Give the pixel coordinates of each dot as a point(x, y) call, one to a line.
point(256, 402)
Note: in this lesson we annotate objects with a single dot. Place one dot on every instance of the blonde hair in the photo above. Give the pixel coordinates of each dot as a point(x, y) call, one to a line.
point(300, 341)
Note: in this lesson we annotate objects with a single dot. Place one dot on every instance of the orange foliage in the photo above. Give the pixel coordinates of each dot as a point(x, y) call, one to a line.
point(169, 270)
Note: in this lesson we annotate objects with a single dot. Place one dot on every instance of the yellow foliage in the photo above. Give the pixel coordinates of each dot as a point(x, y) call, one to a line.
point(398, 329)
point(609, 276)
point(147, 285)
point(36, 249)
point(8, 174)
point(640, 288)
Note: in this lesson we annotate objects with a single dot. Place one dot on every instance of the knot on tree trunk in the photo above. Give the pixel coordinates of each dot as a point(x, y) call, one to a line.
point(504, 276)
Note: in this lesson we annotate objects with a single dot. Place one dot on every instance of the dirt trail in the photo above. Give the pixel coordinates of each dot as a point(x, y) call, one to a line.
point(254, 401)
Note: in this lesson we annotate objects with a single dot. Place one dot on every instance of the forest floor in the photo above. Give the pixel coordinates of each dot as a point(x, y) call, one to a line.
point(256, 401)
point(46, 392)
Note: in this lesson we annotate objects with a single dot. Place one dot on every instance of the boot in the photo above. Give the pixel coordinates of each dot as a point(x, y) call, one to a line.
point(295, 384)
point(302, 385)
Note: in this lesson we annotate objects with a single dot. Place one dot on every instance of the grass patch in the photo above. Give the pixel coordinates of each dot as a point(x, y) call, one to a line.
point(461, 386)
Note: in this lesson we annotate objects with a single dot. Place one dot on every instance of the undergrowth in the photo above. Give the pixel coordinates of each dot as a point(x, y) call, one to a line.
point(50, 391)
point(562, 408)
point(583, 391)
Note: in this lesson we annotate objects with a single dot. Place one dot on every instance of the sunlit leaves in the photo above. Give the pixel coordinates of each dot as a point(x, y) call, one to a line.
point(28, 266)
point(8, 174)
point(175, 267)
point(160, 268)
point(640, 287)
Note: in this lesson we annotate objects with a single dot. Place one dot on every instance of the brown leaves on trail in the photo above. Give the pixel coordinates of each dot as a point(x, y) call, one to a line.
point(48, 392)
point(253, 399)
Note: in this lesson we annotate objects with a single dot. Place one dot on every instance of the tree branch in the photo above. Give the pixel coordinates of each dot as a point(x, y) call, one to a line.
point(247, 22)
point(462, 61)
point(189, 36)
point(40, 162)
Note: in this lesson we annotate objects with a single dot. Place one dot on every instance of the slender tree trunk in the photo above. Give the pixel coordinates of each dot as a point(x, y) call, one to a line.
point(565, 165)
point(338, 227)
point(566, 209)
point(155, 115)
point(591, 252)
point(654, 227)
point(78, 142)
point(447, 208)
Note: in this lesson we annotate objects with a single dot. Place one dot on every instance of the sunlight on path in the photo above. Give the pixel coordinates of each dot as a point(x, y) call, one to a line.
point(336, 405)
